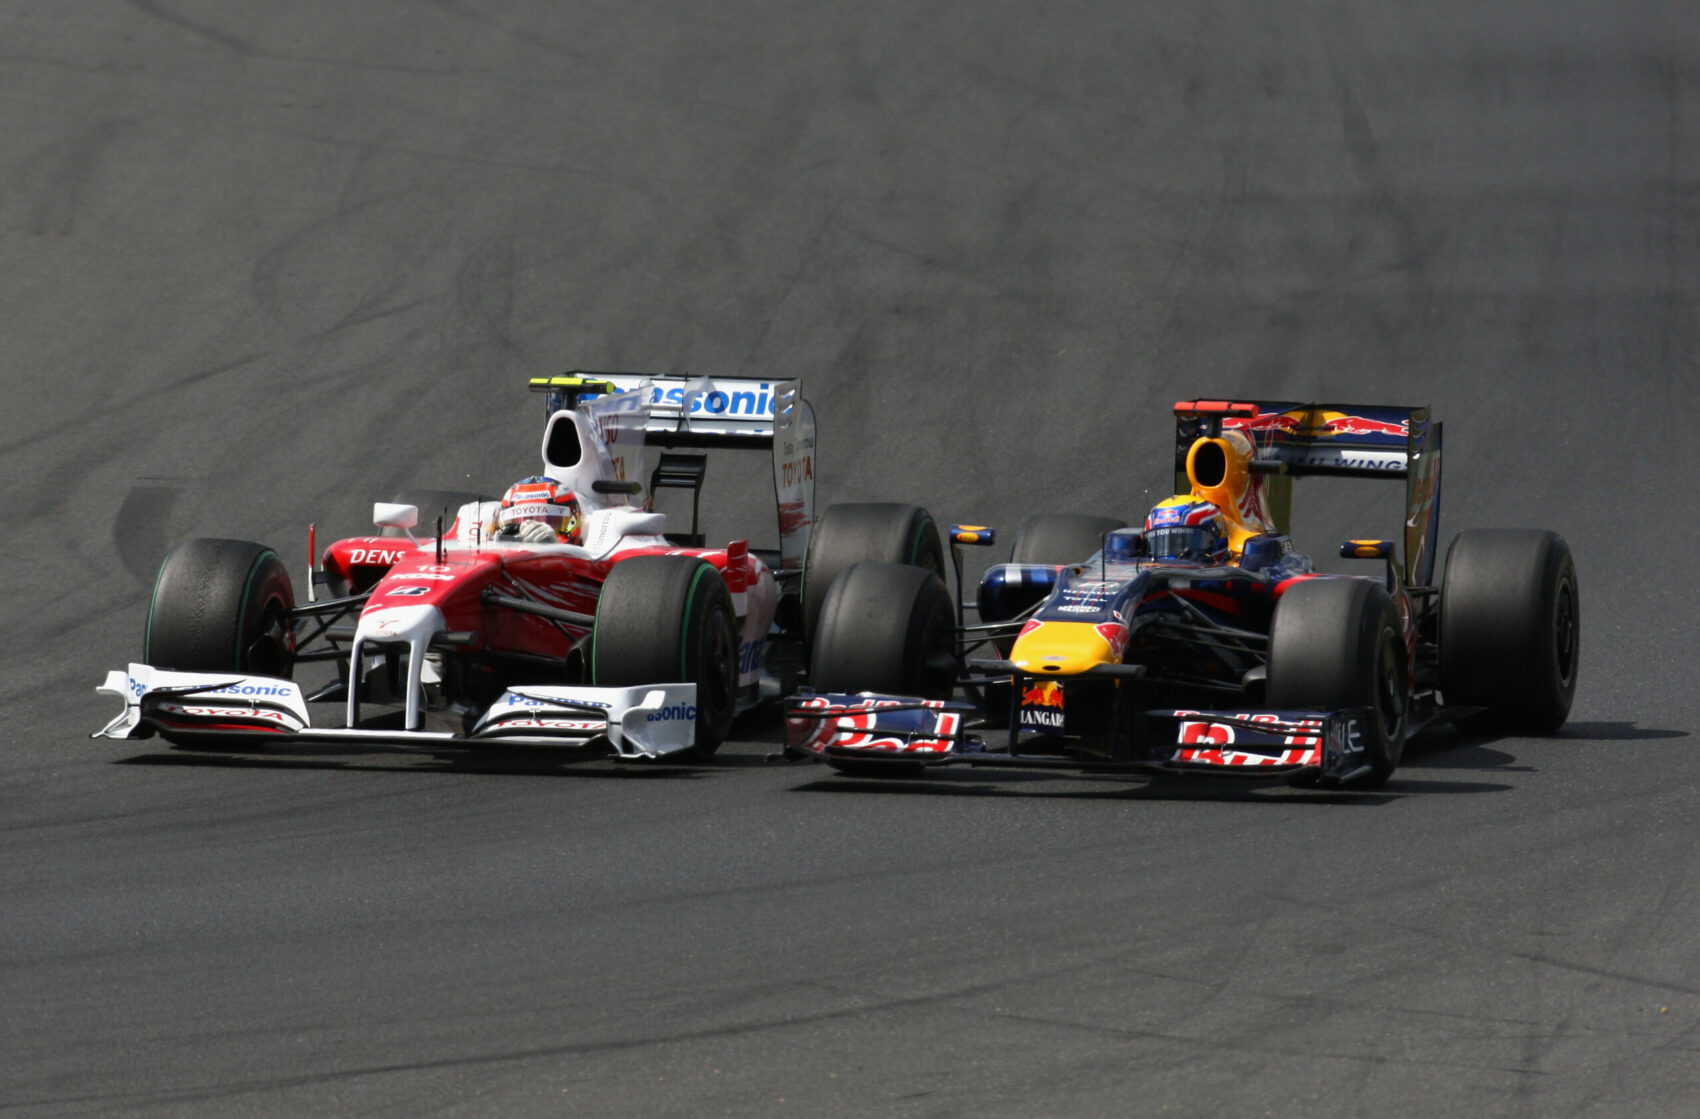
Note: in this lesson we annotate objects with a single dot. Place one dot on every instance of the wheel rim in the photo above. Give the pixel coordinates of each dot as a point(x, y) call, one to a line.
point(719, 666)
point(1390, 687)
point(272, 650)
point(1564, 633)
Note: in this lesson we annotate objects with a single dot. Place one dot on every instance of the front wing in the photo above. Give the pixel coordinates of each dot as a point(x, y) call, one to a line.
point(869, 729)
point(231, 710)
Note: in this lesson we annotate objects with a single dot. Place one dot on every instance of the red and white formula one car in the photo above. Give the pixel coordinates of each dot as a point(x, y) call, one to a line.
point(565, 615)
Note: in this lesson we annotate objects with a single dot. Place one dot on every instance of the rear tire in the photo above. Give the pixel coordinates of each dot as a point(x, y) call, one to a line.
point(1510, 628)
point(1054, 539)
point(886, 628)
point(876, 532)
point(430, 504)
point(666, 619)
point(1337, 643)
point(221, 606)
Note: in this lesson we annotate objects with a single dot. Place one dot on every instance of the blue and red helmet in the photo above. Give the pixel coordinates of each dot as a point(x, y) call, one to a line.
point(1184, 528)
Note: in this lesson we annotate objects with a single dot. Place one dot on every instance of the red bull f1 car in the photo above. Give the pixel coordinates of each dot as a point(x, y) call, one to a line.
point(564, 615)
point(1203, 642)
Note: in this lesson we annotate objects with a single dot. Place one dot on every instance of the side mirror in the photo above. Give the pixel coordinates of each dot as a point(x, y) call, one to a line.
point(1366, 549)
point(1372, 549)
point(386, 515)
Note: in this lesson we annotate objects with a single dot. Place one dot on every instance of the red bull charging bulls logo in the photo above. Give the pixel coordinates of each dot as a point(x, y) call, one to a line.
point(1042, 706)
point(1319, 425)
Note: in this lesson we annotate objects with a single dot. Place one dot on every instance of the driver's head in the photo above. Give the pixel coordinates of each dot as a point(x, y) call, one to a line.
point(1184, 528)
point(541, 502)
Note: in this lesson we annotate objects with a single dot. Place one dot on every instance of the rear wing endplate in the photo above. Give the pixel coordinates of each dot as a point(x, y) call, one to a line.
point(1294, 439)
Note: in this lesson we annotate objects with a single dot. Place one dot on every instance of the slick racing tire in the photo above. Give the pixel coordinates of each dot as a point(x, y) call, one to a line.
point(665, 619)
point(1055, 539)
point(886, 627)
point(431, 504)
point(221, 606)
point(1510, 624)
point(1337, 643)
point(876, 532)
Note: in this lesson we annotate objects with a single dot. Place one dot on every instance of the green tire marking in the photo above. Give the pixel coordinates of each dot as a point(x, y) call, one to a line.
point(920, 534)
point(242, 609)
point(685, 623)
point(147, 631)
point(595, 628)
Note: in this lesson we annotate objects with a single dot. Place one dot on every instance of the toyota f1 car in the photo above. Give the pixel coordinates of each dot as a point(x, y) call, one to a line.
point(622, 639)
point(1112, 653)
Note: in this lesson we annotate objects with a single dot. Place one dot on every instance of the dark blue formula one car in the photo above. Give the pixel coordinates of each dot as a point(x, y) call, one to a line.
point(1202, 641)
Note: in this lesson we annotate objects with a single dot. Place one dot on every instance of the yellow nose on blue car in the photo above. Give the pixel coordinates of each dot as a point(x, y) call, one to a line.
point(1062, 648)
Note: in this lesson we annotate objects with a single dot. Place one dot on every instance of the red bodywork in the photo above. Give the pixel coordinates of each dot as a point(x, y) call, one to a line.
point(400, 573)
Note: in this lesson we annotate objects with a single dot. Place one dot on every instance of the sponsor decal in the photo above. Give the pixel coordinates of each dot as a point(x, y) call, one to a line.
point(1363, 425)
point(512, 700)
point(1045, 693)
point(1042, 706)
point(253, 689)
point(374, 555)
point(756, 403)
point(1356, 462)
point(224, 712)
point(1205, 734)
point(793, 515)
point(407, 592)
point(1116, 635)
point(1319, 425)
point(554, 724)
point(798, 472)
point(1081, 608)
point(749, 656)
point(1348, 737)
point(855, 730)
point(671, 713)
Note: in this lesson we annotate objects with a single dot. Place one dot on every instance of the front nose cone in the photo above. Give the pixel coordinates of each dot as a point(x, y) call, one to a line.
point(1061, 649)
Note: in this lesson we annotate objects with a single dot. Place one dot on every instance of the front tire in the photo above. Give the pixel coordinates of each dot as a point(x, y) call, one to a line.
point(873, 532)
point(1337, 643)
point(886, 628)
point(661, 619)
point(221, 606)
point(1510, 627)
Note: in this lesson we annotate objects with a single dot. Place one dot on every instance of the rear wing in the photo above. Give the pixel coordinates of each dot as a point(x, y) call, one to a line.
point(705, 413)
point(1293, 439)
point(686, 411)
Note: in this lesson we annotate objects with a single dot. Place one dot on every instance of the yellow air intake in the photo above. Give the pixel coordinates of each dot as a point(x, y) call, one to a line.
point(1220, 471)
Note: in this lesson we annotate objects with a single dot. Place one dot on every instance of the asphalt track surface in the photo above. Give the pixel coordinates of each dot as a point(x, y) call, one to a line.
point(263, 264)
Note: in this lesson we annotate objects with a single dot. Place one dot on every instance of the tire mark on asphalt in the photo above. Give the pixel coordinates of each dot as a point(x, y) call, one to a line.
point(140, 530)
point(126, 404)
point(213, 34)
point(57, 178)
